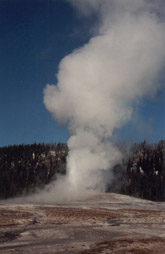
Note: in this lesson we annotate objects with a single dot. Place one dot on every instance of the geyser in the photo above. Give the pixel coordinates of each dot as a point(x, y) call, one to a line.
point(99, 83)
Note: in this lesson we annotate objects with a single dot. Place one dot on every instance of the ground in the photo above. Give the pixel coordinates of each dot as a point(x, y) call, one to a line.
point(100, 223)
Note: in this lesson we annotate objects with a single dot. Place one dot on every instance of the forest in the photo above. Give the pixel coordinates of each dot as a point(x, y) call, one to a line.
point(24, 168)
point(27, 168)
point(143, 173)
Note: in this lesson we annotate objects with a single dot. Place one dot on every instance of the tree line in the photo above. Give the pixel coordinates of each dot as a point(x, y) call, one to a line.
point(143, 174)
point(24, 168)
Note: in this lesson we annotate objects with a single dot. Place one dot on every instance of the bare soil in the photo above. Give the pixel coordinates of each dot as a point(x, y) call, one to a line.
point(99, 223)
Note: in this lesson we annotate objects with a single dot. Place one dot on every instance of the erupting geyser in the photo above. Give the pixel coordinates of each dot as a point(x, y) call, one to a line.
point(99, 82)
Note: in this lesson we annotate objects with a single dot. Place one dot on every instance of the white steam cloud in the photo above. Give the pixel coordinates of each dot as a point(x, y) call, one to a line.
point(99, 82)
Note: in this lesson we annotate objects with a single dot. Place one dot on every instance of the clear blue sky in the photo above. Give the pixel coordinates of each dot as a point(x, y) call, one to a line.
point(35, 36)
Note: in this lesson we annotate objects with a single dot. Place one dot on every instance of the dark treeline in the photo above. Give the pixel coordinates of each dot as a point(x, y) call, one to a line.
point(24, 168)
point(143, 174)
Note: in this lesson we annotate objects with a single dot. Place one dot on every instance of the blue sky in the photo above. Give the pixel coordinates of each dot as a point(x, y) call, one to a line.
point(35, 36)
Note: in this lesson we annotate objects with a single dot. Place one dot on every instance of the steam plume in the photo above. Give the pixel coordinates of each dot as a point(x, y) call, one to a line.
point(99, 83)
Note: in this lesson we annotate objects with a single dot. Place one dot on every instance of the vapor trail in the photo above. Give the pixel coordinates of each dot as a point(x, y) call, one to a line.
point(99, 82)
